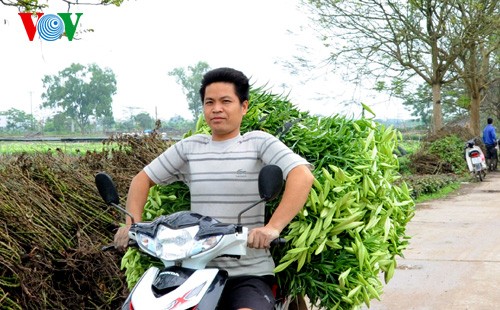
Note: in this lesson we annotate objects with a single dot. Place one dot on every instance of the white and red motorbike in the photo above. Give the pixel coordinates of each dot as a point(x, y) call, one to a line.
point(475, 159)
point(185, 242)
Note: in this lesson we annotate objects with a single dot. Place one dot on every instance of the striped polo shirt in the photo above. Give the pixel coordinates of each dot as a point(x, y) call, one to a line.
point(222, 177)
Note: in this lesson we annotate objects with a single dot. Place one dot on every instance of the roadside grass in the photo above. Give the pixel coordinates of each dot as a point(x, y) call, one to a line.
point(410, 146)
point(441, 193)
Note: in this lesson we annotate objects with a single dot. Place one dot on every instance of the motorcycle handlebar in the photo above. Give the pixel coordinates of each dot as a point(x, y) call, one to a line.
point(133, 243)
point(278, 242)
point(112, 247)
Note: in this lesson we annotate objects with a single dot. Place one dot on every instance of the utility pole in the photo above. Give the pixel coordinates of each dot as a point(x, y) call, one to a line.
point(31, 109)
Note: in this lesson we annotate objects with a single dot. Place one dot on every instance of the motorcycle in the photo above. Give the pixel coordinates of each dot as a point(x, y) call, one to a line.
point(475, 159)
point(185, 242)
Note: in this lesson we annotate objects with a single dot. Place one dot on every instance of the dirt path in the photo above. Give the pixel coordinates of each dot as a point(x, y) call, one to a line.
point(453, 261)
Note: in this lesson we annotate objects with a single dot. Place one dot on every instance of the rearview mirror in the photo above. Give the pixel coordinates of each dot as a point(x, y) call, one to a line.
point(107, 188)
point(270, 182)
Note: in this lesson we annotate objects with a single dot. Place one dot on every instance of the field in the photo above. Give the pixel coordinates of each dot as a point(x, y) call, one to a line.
point(74, 148)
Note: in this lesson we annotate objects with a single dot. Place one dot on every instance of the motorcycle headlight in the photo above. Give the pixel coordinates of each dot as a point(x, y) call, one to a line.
point(175, 244)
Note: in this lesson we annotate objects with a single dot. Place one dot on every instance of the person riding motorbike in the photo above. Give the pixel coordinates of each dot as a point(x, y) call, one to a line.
point(217, 166)
point(490, 142)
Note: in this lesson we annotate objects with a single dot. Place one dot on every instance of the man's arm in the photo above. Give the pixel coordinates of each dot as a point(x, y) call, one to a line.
point(298, 185)
point(136, 199)
point(138, 195)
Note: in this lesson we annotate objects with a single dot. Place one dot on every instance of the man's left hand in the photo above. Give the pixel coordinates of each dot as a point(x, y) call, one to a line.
point(261, 237)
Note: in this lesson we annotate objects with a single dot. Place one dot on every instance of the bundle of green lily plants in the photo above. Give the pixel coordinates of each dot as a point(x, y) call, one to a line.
point(352, 229)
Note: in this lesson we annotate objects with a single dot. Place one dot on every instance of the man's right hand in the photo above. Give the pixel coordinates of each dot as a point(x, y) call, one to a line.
point(121, 238)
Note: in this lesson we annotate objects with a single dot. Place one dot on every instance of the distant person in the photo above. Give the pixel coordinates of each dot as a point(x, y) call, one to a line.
point(490, 142)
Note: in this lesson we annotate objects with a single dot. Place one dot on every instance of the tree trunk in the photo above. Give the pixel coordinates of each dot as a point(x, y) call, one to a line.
point(437, 115)
point(475, 124)
point(475, 80)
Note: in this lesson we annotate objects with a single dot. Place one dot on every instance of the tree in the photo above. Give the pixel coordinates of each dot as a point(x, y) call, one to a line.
point(491, 104)
point(177, 126)
point(107, 123)
point(81, 93)
point(19, 120)
point(144, 121)
point(36, 6)
point(126, 125)
point(190, 82)
point(476, 65)
point(59, 123)
point(455, 102)
point(394, 38)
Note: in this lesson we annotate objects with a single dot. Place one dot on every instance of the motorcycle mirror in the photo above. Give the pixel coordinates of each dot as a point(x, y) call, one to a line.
point(107, 188)
point(108, 192)
point(270, 182)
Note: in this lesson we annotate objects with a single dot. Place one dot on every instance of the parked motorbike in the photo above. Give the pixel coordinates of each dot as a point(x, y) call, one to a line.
point(185, 242)
point(475, 159)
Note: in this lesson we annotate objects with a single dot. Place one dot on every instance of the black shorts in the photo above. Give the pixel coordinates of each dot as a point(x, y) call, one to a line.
point(248, 292)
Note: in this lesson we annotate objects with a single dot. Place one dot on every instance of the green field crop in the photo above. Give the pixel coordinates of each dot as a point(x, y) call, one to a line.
point(73, 148)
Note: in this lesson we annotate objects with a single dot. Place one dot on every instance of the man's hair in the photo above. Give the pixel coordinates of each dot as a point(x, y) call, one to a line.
point(227, 75)
point(490, 120)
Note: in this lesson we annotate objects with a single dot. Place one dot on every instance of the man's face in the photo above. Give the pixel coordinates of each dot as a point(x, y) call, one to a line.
point(223, 111)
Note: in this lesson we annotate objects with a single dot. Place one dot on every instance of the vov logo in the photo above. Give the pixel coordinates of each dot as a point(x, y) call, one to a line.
point(50, 26)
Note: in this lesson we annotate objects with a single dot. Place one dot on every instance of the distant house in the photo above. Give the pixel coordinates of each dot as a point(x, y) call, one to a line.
point(3, 121)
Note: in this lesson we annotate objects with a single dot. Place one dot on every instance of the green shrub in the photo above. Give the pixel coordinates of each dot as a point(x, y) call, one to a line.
point(429, 184)
point(410, 146)
point(450, 149)
point(404, 165)
point(440, 156)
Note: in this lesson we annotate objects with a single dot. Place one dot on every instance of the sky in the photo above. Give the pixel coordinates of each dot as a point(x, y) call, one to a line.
point(142, 40)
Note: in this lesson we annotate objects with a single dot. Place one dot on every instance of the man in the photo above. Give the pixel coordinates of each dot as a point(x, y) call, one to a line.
point(221, 171)
point(490, 142)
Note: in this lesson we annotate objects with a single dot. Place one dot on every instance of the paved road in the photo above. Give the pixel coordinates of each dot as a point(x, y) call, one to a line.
point(453, 260)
